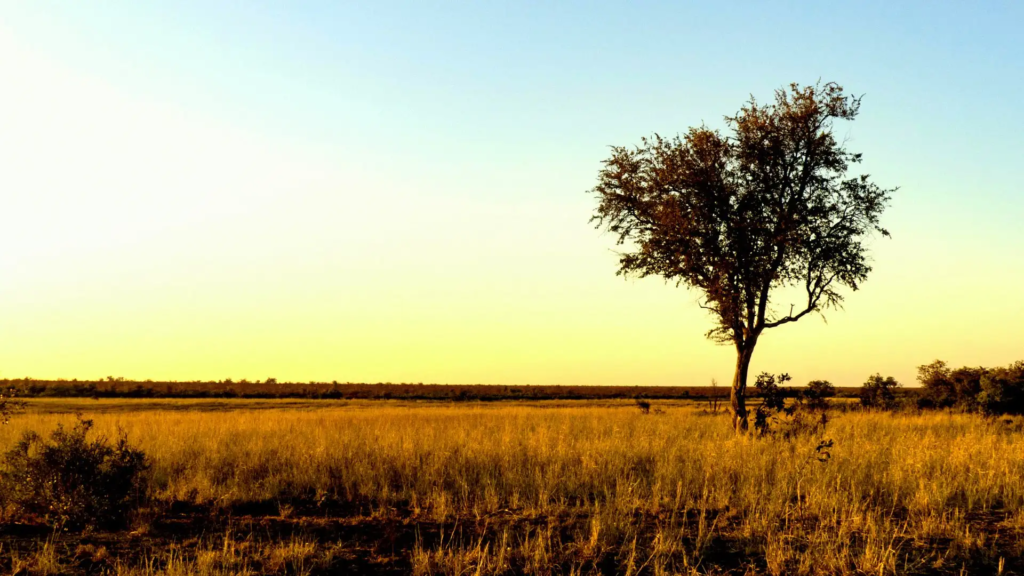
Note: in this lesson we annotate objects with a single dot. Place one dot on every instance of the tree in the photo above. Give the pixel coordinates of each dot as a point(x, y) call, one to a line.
point(740, 217)
point(987, 390)
point(878, 392)
point(817, 394)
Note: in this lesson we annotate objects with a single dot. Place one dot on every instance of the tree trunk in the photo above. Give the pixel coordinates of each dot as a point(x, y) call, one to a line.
point(739, 388)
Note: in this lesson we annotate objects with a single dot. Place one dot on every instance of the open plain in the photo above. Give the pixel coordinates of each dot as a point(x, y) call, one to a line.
point(561, 487)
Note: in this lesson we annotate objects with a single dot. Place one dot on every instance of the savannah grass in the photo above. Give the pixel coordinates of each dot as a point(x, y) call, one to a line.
point(577, 488)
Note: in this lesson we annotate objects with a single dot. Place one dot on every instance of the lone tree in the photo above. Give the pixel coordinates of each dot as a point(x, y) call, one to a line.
point(768, 207)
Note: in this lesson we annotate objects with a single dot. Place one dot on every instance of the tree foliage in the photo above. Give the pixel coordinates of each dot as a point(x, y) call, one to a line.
point(806, 412)
point(737, 216)
point(773, 400)
point(817, 394)
point(879, 392)
point(976, 389)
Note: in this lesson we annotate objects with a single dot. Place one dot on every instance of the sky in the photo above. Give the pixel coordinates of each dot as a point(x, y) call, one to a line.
point(398, 192)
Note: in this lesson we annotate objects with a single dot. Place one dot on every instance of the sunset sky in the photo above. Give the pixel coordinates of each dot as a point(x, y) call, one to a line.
point(374, 191)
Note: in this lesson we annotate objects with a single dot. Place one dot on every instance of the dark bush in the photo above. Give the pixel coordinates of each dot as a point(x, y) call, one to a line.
point(643, 405)
point(987, 390)
point(936, 386)
point(773, 400)
point(8, 406)
point(73, 482)
point(799, 418)
point(817, 394)
point(879, 392)
point(1002, 390)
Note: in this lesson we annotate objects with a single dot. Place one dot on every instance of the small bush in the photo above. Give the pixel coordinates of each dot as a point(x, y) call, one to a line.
point(8, 406)
point(817, 394)
point(73, 482)
point(879, 392)
point(773, 400)
point(712, 398)
point(798, 419)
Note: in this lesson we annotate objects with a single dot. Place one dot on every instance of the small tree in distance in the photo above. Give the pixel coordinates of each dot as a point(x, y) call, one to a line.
point(740, 216)
point(878, 392)
point(713, 397)
point(817, 394)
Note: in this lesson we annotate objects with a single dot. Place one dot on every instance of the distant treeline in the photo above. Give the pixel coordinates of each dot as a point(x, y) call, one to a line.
point(973, 389)
point(120, 388)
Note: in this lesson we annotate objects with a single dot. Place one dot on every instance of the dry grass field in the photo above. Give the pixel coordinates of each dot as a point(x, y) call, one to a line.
point(592, 487)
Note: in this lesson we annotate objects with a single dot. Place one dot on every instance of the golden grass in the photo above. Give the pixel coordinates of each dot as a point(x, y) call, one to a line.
point(579, 488)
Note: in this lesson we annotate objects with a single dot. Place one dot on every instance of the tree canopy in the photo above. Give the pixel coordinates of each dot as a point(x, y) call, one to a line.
point(741, 214)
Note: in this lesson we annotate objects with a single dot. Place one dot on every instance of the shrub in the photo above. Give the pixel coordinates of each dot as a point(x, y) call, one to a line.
point(712, 397)
point(1002, 390)
point(773, 400)
point(987, 390)
point(774, 418)
point(73, 482)
point(817, 394)
point(8, 405)
point(643, 405)
point(879, 392)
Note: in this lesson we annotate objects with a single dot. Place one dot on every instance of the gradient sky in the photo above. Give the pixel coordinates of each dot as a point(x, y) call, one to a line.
point(395, 192)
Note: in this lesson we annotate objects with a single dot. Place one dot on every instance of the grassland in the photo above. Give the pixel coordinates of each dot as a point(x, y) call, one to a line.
point(560, 487)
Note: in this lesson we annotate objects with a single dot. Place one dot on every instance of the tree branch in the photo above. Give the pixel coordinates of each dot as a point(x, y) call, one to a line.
point(811, 307)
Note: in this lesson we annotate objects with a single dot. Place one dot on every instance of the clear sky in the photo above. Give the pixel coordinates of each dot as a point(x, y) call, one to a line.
point(374, 191)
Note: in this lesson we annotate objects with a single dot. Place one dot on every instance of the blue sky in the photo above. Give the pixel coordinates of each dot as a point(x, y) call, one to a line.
point(447, 148)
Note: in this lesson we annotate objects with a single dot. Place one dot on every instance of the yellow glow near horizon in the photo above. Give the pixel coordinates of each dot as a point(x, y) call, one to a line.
point(148, 241)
